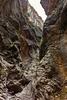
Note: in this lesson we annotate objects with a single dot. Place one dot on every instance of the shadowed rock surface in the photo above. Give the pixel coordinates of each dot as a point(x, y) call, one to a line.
point(23, 76)
point(55, 32)
point(48, 6)
point(19, 40)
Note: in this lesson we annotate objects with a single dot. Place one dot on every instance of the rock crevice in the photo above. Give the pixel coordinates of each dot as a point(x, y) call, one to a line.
point(23, 76)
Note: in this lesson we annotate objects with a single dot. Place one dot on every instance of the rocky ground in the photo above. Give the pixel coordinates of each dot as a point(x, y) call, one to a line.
point(35, 80)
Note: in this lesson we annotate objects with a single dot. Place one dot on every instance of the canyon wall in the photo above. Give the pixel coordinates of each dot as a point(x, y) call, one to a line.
point(55, 36)
point(48, 5)
point(19, 42)
point(23, 76)
point(34, 17)
point(32, 14)
point(17, 15)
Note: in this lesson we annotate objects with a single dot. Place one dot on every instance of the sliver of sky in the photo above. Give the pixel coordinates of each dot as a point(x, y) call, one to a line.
point(37, 6)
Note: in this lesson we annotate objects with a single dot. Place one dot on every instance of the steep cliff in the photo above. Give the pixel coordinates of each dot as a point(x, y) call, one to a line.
point(55, 23)
point(48, 5)
point(55, 36)
point(13, 11)
point(32, 14)
point(22, 75)
point(34, 17)
point(19, 41)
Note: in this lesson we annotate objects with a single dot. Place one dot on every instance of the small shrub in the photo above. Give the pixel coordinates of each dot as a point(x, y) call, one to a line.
point(11, 45)
point(12, 10)
point(56, 12)
point(66, 91)
point(27, 14)
point(9, 23)
point(41, 40)
point(3, 70)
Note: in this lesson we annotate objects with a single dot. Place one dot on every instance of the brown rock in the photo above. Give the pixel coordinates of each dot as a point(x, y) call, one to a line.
point(48, 5)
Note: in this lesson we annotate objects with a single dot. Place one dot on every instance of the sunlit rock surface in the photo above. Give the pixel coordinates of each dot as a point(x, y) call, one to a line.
point(34, 17)
point(31, 13)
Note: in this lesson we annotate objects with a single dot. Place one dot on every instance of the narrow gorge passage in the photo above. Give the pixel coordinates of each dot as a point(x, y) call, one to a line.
point(33, 53)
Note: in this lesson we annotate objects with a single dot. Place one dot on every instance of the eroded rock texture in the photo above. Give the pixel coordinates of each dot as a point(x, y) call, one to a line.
point(22, 75)
point(48, 5)
point(34, 17)
point(31, 13)
point(29, 34)
point(19, 40)
point(55, 32)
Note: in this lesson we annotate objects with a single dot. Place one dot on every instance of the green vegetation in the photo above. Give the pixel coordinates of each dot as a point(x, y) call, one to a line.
point(41, 40)
point(9, 23)
point(54, 63)
point(66, 91)
point(56, 12)
point(12, 10)
point(3, 70)
point(11, 45)
point(48, 65)
point(3, 42)
point(39, 67)
point(27, 14)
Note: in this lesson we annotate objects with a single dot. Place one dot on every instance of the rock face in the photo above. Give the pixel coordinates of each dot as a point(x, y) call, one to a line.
point(19, 40)
point(54, 23)
point(34, 17)
point(31, 13)
point(48, 5)
point(55, 32)
point(29, 34)
point(22, 75)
